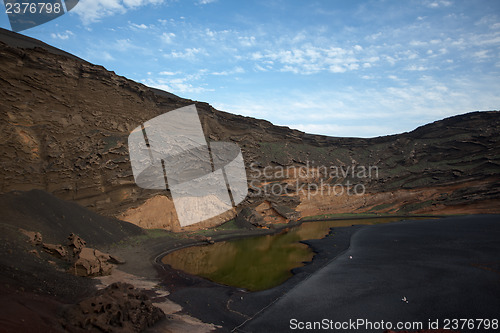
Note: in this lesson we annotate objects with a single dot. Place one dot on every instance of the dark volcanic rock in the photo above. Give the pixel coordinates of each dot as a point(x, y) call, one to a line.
point(76, 243)
point(56, 250)
point(91, 262)
point(35, 238)
point(118, 308)
point(248, 217)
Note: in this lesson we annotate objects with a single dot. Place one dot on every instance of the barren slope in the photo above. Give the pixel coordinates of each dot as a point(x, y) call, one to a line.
point(65, 123)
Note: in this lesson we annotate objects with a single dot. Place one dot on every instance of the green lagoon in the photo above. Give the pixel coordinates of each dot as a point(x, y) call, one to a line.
point(257, 263)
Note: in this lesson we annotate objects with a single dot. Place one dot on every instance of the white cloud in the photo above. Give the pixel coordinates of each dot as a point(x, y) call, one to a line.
point(205, 2)
point(97, 56)
point(310, 59)
point(236, 70)
point(438, 3)
point(138, 3)
point(168, 73)
point(210, 33)
point(167, 37)
point(247, 41)
point(372, 59)
point(123, 45)
point(138, 26)
point(65, 35)
point(416, 68)
point(260, 68)
point(337, 69)
point(481, 55)
point(177, 85)
point(390, 60)
point(189, 53)
point(375, 36)
point(91, 11)
point(486, 39)
point(106, 56)
point(418, 43)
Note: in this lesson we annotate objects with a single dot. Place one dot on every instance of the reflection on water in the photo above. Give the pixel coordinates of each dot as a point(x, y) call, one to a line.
point(256, 263)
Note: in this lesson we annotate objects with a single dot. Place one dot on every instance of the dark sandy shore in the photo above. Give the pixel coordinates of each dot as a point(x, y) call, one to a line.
point(447, 269)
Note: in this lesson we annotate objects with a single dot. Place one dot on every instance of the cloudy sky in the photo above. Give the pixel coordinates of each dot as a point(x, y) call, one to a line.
point(340, 68)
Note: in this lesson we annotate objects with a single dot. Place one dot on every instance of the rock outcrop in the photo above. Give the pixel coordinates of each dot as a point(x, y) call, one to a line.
point(34, 238)
point(76, 243)
point(118, 308)
point(84, 261)
point(56, 250)
point(249, 217)
point(91, 262)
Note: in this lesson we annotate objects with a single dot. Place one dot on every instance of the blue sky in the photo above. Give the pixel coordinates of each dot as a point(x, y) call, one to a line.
point(340, 68)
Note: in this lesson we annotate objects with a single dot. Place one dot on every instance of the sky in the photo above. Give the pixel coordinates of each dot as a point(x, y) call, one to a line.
point(338, 68)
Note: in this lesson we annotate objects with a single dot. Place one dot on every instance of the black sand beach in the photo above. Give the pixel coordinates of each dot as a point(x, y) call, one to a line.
point(446, 269)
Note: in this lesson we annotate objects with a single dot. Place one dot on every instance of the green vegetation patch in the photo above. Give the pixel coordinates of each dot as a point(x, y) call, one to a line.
point(340, 215)
point(229, 225)
point(381, 207)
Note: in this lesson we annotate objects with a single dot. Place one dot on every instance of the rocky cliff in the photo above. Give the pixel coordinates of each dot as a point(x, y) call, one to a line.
point(65, 123)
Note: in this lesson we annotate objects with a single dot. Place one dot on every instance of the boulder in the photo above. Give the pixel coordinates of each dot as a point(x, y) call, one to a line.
point(56, 250)
point(248, 218)
point(34, 237)
point(76, 243)
point(91, 262)
point(118, 308)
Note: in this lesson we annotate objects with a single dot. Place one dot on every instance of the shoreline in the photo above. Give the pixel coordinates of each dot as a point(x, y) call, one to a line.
point(227, 308)
point(408, 271)
point(156, 259)
point(233, 306)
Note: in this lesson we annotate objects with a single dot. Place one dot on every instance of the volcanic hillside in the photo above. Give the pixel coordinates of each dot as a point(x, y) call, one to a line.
point(65, 123)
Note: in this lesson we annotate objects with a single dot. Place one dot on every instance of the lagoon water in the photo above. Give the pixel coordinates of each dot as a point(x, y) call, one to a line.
point(257, 263)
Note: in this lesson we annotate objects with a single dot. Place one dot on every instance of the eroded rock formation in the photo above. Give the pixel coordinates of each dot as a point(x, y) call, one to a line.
point(84, 261)
point(118, 308)
point(35, 238)
point(91, 262)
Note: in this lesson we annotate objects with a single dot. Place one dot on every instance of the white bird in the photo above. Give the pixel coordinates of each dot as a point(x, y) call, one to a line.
point(404, 299)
